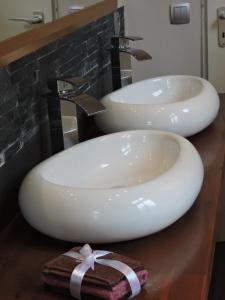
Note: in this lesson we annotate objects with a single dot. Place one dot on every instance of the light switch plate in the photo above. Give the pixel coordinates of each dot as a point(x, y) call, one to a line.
point(180, 13)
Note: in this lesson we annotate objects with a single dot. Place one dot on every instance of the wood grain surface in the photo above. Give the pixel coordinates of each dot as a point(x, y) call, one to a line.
point(179, 258)
point(22, 44)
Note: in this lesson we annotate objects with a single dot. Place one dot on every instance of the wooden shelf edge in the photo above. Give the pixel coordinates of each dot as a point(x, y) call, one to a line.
point(27, 42)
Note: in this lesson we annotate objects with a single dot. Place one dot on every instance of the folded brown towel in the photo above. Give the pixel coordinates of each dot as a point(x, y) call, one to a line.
point(103, 282)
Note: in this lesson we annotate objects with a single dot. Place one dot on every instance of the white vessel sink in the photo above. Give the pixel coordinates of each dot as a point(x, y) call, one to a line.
point(181, 104)
point(113, 188)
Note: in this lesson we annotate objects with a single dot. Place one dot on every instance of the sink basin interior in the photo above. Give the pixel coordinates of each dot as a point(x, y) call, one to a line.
point(123, 160)
point(162, 90)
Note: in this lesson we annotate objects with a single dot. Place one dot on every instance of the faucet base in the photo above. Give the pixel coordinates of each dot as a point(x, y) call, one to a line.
point(126, 77)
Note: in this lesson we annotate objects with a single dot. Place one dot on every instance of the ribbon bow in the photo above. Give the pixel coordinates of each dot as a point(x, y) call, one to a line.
point(87, 259)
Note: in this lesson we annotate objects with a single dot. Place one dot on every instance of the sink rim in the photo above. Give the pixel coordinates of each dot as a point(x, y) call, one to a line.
point(186, 117)
point(193, 99)
point(179, 140)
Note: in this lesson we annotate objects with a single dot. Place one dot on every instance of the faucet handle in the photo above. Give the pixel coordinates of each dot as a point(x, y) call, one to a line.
point(65, 85)
point(71, 84)
point(75, 81)
point(115, 40)
point(128, 37)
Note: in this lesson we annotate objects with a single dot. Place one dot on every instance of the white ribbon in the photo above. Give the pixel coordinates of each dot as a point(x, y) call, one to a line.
point(87, 257)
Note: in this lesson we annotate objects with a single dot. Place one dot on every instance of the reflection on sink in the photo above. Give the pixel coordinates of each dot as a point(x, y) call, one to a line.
point(70, 135)
point(116, 187)
point(181, 104)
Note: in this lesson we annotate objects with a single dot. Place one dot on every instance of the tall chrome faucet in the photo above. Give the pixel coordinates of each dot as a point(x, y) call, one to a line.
point(69, 89)
point(115, 50)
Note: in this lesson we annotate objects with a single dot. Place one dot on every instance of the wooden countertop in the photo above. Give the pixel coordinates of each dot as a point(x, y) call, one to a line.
point(178, 258)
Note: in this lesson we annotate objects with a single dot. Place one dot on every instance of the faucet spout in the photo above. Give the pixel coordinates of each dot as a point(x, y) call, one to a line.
point(115, 50)
point(90, 105)
point(69, 89)
point(138, 54)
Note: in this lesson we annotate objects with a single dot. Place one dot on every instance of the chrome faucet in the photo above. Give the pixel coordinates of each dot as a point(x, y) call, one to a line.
point(115, 50)
point(88, 104)
point(70, 89)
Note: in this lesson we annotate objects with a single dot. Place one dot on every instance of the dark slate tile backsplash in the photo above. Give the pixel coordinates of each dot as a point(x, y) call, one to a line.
point(23, 108)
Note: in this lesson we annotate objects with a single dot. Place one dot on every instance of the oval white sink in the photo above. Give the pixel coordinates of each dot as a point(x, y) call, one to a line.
point(113, 188)
point(181, 104)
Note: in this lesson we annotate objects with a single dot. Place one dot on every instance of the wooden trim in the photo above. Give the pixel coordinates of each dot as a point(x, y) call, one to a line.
point(27, 42)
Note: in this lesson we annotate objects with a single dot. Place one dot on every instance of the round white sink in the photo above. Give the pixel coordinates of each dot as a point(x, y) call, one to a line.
point(181, 104)
point(113, 188)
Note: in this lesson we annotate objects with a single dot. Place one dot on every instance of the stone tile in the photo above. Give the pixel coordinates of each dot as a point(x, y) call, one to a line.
point(23, 83)
point(24, 118)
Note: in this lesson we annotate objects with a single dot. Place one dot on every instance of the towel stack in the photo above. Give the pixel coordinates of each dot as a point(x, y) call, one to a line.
point(102, 282)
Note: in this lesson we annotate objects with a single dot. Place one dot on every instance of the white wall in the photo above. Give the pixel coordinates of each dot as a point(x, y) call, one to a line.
point(120, 3)
point(176, 49)
point(64, 4)
point(216, 55)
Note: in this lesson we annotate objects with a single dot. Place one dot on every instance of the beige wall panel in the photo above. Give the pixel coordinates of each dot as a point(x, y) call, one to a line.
point(176, 49)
